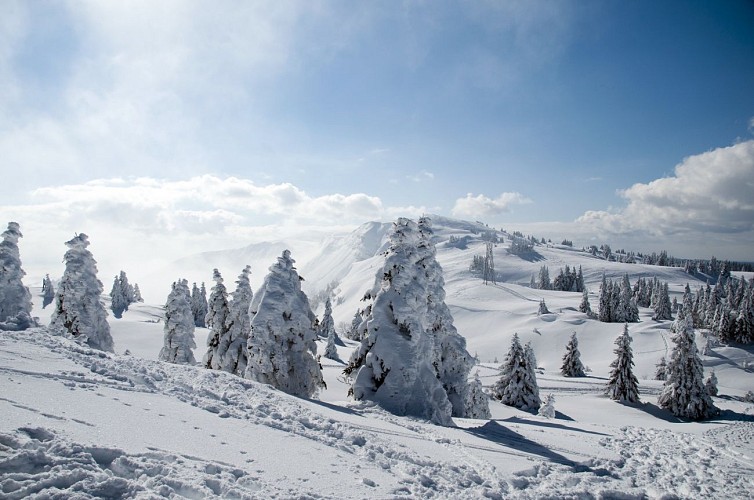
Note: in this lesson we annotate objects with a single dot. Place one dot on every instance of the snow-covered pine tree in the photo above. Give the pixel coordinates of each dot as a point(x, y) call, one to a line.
point(542, 308)
point(684, 393)
point(353, 332)
point(661, 369)
point(572, 366)
point(711, 384)
point(517, 385)
point(199, 305)
point(282, 349)
point(15, 298)
point(117, 300)
point(217, 315)
point(531, 359)
point(489, 265)
point(179, 327)
point(622, 384)
point(585, 307)
point(331, 350)
point(327, 324)
point(232, 355)
point(547, 408)
point(393, 366)
point(477, 402)
point(137, 293)
point(663, 307)
point(604, 315)
point(78, 308)
point(48, 290)
point(452, 361)
point(544, 279)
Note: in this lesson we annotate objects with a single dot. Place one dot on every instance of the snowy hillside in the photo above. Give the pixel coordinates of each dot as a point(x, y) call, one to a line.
point(87, 422)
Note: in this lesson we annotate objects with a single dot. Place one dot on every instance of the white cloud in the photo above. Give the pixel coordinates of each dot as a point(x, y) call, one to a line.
point(482, 206)
point(422, 176)
point(712, 192)
point(751, 125)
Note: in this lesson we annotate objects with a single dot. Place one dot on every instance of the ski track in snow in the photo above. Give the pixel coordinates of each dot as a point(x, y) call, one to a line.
point(649, 463)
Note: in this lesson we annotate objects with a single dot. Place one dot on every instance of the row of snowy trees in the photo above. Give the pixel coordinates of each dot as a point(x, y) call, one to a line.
point(619, 303)
point(727, 309)
point(568, 280)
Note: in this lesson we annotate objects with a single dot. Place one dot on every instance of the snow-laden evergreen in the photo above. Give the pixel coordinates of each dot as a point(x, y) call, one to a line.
point(662, 307)
point(517, 385)
point(199, 305)
point(395, 365)
point(547, 408)
point(231, 353)
point(118, 301)
point(477, 401)
point(542, 308)
point(661, 369)
point(281, 348)
point(48, 291)
point(572, 366)
point(684, 393)
point(179, 327)
point(451, 359)
point(584, 306)
point(711, 384)
point(137, 293)
point(78, 308)
point(15, 299)
point(622, 384)
point(216, 320)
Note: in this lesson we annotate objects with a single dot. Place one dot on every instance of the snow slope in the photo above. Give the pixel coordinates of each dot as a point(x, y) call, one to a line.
point(77, 421)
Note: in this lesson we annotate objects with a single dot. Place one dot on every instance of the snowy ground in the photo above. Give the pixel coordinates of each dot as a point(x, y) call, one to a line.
point(77, 421)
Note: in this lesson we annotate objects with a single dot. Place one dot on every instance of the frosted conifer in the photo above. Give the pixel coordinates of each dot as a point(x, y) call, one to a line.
point(394, 365)
point(547, 408)
point(118, 303)
point(585, 307)
point(78, 308)
point(15, 299)
point(711, 384)
point(179, 327)
point(199, 306)
point(684, 393)
point(661, 369)
point(572, 366)
point(48, 292)
point(137, 293)
point(477, 402)
point(281, 348)
point(232, 355)
point(622, 384)
point(517, 385)
point(542, 308)
point(216, 318)
point(663, 307)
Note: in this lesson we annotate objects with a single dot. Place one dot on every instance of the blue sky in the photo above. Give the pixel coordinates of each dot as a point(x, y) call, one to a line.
point(207, 122)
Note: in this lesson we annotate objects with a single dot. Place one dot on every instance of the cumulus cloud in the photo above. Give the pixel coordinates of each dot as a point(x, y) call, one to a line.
point(482, 206)
point(712, 192)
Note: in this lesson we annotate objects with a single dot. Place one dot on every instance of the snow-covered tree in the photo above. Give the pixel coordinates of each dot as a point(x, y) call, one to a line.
point(137, 293)
point(585, 307)
point(179, 327)
point(232, 355)
point(542, 308)
point(711, 384)
point(353, 332)
point(477, 402)
point(451, 359)
point(216, 321)
point(118, 301)
point(78, 307)
point(281, 348)
point(544, 278)
point(48, 291)
point(572, 366)
point(663, 307)
point(684, 393)
point(489, 265)
point(327, 324)
point(15, 298)
point(395, 365)
point(199, 305)
point(517, 385)
point(547, 408)
point(622, 384)
point(605, 314)
point(331, 350)
point(661, 369)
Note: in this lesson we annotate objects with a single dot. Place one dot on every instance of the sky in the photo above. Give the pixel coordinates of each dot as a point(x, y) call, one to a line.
point(162, 129)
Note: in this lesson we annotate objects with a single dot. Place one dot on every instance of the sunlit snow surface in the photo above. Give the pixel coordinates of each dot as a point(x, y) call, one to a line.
point(79, 422)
